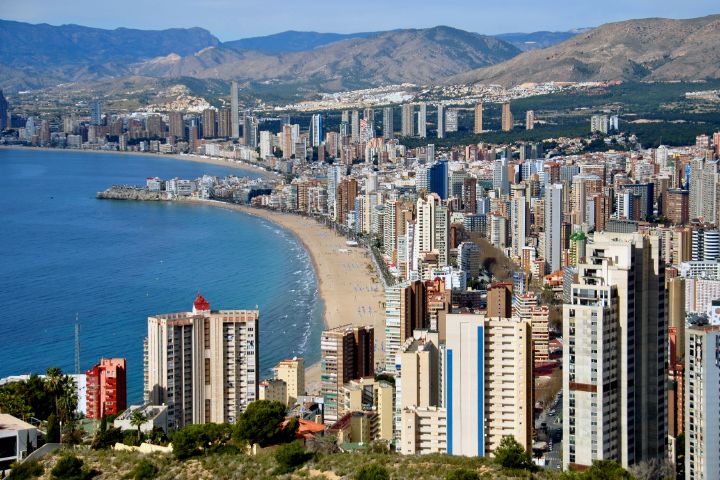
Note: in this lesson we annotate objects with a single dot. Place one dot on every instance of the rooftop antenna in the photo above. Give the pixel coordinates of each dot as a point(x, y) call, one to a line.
point(77, 343)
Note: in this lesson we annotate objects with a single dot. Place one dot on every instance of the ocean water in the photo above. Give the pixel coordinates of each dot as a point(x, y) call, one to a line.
point(112, 263)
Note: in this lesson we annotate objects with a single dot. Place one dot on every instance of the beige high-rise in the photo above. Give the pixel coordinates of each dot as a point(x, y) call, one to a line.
point(478, 118)
point(204, 364)
point(292, 372)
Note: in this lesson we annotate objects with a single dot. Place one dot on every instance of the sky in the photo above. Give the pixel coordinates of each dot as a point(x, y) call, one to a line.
point(234, 19)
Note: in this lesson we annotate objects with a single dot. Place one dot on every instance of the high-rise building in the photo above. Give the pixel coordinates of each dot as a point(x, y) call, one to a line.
point(422, 120)
point(155, 126)
point(439, 182)
point(704, 191)
point(266, 144)
point(408, 120)
point(250, 130)
point(317, 128)
point(292, 372)
point(355, 127)
point(204, 364)
point(4, 110)
point(96, 112)
point(529, 120)
point(347, 192)
point(106, 388)
point(432, 228)
point(520, 224)
point(234, 111)
point(451, 120)
point(176, 124)
point(208, 123)
point(440, 121)
point(224, 123)
point(507, 117)
point(388, 124)
point(553, 226)
point(676, 206)
point(615, 354)
point(501, 180)
point(478, 118)
point(702, 402)
point(488, 386)
point(469, 195)
point(346, 353)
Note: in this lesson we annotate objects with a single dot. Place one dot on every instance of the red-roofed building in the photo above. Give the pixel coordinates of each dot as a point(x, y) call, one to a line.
point(106, 388)
point(200, 304)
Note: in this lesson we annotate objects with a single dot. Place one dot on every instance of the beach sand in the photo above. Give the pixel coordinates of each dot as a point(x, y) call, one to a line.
point(347, 281)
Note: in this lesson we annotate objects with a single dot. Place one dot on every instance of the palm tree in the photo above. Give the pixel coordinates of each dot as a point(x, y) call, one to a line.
point(137, 418)
point(53, 379)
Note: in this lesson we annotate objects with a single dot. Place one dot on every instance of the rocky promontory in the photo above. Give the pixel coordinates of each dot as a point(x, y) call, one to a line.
point(121, 192)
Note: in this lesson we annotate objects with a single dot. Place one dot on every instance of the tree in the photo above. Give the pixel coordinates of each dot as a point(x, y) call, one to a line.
point(137, 418)
point(69, 467)
point(261, 422)
point(144, 470)
point(462, 474)
point(290, 456)
point(194, 440)
point(510, 454)
point(606, 470)
point(53, 429)
point(372, 472)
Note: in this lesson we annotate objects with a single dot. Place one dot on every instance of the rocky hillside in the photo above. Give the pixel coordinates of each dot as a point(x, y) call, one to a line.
point(648, 49)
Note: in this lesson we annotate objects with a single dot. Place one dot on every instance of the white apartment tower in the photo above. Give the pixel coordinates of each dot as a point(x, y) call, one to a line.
point(553, 226)
point(204, 364)
point(615, 354)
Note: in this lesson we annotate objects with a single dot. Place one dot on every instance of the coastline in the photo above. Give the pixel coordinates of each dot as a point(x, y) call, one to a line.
point(347, 281)
point(219, 162)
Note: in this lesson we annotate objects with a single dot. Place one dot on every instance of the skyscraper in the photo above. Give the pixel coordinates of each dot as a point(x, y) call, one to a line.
point(422, 120)
point(615, 354)
point(702, 402)
point(488, 387)
point(440, 121)
point(553, 226)
point(224, 128)
point(96, 112)
point(529, 120)
point(451, 120)
point(478, 118)
point(355, 127)
point(438, 177)
point(176, 125)
point(234, 111)
point(388, 126)
point(4, 124)
point(249, 130)
point(507, 117)
point(208, 125)
point(346, 353)
point(317, 128)
point(204, 364)
point(408, 120)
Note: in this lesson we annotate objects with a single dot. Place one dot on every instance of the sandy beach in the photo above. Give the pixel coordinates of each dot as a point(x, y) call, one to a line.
point(347, 281)
point(220, 162)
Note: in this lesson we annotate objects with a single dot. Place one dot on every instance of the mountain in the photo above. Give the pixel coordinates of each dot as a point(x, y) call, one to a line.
point(647, 49)
point(536, 40)
point(416, 56)
point(24, 44)
point(292, 41)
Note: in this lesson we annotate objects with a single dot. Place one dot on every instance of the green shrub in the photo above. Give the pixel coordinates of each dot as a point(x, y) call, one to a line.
point(69, 467)
point(290, 456)
point(462, 474)
point(372, 472)
point(261, 423)
point(510, 454)
point(144, 470)
point(26, 470)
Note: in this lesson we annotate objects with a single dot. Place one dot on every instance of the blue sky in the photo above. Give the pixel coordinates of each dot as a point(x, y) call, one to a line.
point(233, 19)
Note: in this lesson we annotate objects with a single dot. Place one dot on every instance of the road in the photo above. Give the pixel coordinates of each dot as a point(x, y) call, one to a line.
point(551, 433)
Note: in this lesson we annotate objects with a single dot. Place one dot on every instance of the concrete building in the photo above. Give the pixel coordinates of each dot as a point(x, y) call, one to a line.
point(422, 120)
point(507, 117)
point(17, 438)
point(234, 111)
point(106, 388)
point(615, 354)
point(488, 383)
point(274, 390)
point(156, 416)
point(407, 124)
point(499, 299)
point(204, 364)
point(478, 119)
point(702, 402)
point(388, 123)
point(553, 226)
point(529, 120)
point(346, 353)
point(440, 121)
point(370, 395)
point(292, 372)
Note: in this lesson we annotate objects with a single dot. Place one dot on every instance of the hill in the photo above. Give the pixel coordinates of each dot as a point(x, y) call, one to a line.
point(536, 40)
point(415, 56)
point(292, 41)
point(647, 49)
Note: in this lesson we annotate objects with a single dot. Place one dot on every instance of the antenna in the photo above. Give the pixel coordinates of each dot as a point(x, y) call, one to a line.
point(77, 343)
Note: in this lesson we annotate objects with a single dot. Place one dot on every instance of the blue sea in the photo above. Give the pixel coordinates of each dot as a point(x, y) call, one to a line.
point(63, 254)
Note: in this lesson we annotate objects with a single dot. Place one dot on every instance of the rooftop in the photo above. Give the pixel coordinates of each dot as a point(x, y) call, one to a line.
point(8, 422)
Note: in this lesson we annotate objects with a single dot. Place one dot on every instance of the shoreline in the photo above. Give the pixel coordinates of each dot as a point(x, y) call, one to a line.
point(216, 161)
point(347, 282)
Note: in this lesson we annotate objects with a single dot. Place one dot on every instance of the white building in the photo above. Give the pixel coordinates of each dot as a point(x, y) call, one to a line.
point(16, 438)
point(702, 402)
point(553, 226)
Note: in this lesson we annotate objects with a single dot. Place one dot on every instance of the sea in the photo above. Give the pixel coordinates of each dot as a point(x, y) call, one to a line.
point(67, 257)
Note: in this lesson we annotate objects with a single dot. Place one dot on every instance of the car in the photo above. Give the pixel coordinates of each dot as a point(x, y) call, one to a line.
point(552, 412)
